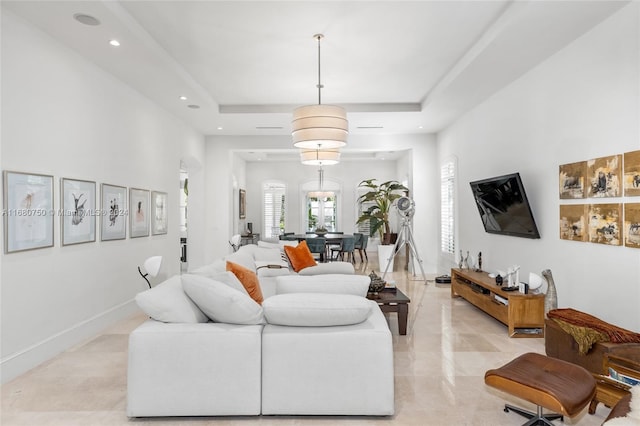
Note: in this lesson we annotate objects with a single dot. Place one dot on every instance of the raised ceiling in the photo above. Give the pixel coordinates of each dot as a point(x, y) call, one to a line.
point(396, 66)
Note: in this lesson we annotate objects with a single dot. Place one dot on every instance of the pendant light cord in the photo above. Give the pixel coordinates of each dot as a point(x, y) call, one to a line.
point(319, 37)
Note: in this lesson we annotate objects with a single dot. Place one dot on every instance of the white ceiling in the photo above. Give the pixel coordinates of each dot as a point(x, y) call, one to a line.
point(396, 66)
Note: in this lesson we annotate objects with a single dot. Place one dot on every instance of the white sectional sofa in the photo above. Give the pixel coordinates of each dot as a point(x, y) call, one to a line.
point(316, 346)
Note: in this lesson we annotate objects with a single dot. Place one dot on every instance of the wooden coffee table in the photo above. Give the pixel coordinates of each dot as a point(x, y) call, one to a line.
point(391, 300)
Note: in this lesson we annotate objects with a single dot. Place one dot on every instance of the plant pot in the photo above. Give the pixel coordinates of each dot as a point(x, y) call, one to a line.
point(384, 253)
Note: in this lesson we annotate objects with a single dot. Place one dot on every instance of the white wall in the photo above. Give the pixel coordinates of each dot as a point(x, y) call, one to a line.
point(581, 103)
point(418, 166)
point(63, 116)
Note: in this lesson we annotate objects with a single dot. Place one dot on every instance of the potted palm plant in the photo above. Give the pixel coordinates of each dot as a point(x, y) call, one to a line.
point(382, 197)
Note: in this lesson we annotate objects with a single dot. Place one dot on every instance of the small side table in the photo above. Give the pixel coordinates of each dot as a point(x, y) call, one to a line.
point(393, 300)
point(626, 361)
point(608, 391)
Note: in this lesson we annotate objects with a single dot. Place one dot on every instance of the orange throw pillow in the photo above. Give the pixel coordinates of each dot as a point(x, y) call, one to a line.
point(249, 280)
point(300, 256)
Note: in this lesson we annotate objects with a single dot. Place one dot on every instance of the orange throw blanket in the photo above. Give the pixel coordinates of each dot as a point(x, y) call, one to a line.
point(580, 319)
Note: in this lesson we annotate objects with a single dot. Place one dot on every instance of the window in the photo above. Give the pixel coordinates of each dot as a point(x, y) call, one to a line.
point(321, 211)
point(274, 209)
point(447, 207)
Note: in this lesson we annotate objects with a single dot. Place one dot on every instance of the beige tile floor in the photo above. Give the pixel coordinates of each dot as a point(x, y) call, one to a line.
point(439, 370)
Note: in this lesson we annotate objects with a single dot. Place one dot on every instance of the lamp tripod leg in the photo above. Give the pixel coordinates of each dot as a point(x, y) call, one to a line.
point(416, 256)
point(405, 237)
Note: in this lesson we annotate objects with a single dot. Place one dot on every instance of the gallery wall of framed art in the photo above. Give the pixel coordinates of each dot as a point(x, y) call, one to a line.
point(30, 210)
point(611, 223)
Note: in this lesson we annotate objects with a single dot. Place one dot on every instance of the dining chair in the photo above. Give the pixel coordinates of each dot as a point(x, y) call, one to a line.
point(361, 245)
point(332, 243)
point(317, 246)
point(347, 245)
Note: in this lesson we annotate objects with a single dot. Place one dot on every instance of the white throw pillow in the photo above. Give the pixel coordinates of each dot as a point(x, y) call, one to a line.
point(213, 268)
point(267, 254)
point(220, 302)
point(357, 285)
point(242, 258)
point(167, 302)
point(280, 246)
point(315, 309)
point(230, 279)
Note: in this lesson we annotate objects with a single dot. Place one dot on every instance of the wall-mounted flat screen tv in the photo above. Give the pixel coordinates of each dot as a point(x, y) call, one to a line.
point(503, 206)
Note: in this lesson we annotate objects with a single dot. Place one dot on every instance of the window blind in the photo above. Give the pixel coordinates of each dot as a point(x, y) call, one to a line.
point(273, 206)
point(447, 207)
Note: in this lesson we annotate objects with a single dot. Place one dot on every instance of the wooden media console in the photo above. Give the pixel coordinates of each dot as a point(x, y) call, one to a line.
point(522, 313)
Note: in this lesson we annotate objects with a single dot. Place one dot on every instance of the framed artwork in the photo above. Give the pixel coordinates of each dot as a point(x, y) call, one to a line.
point(159, 211)
point(572, 180)
point(573, 222)
point(113, 224)
point(632, 225)
point(138, 212)
point(605, 176)
point(243, 204)
point(605, 223)
point(78, 202)
point(632, 173)
point(28, 215)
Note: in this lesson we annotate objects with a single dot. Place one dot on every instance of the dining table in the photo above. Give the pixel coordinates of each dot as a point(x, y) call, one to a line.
point(331, 240)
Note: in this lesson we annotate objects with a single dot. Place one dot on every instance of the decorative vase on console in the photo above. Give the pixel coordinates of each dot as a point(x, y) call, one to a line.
point(551, 298)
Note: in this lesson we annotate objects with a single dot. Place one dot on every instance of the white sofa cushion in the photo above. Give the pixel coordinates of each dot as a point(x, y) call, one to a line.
point(315, 309)
point(220, 302)
point(272, 268)
point(167, 302)
point(328, 370)
point(331, 283)
point(329, 268)
point(207, 369)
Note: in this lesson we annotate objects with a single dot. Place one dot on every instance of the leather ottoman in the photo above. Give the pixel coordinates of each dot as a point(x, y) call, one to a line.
point(549, 383)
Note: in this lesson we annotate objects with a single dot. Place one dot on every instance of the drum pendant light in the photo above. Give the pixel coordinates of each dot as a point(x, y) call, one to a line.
point(319, 126)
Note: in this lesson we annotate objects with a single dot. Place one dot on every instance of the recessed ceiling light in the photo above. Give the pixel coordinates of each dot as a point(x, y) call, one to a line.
point(420, 127)
point(183, 98)
point(114, 43)
point(192, 106)
point(220, 128)
point(86, 19)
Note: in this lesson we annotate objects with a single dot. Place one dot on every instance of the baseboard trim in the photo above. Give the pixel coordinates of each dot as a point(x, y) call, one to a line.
point(22, 361)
